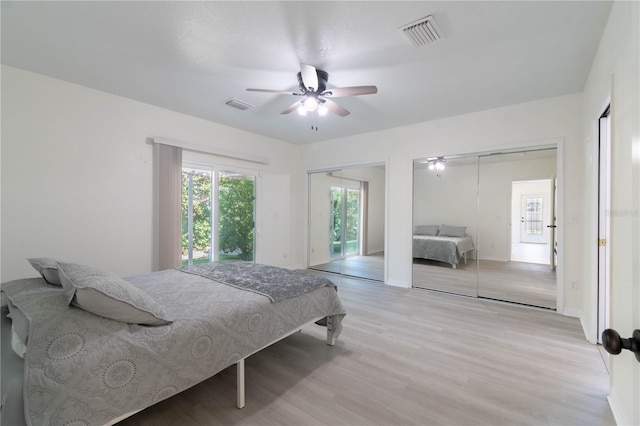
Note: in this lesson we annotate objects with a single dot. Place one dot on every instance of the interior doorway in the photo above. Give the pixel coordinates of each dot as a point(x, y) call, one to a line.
point(531, 220)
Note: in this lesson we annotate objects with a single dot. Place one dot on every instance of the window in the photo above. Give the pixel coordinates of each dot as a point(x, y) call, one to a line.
point(218, 215)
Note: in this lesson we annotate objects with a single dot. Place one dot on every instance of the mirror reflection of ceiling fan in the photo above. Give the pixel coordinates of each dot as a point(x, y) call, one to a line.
point(313, 89)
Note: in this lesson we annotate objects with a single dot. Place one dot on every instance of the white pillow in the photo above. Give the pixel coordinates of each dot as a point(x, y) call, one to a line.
point(48, 268)
point(107, 295)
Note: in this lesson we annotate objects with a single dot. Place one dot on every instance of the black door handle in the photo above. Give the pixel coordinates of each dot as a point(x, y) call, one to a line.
point(552, 226)
point(614, 344)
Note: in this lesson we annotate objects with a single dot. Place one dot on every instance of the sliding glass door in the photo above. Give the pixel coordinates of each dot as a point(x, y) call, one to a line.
point(236, 216)
point(345, 221)
point(218, 215)
point(197, 219)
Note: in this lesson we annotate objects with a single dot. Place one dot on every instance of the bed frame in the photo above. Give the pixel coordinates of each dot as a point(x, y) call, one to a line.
point(240, 372)
point(240, 383)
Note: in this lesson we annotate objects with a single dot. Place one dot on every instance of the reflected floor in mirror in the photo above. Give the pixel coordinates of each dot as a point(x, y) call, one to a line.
point(526, 283)
point(443, 277)
point(370, 267)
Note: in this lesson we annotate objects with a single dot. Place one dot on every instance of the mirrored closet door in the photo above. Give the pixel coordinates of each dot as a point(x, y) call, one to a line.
point(484, 226)
point(517, 232)
point(445, 224)
point(346, 221)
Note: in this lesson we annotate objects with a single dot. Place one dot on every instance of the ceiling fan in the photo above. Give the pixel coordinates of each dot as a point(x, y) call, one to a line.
point(313, 89)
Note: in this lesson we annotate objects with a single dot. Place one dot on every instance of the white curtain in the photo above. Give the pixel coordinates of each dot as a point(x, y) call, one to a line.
point(168, 199)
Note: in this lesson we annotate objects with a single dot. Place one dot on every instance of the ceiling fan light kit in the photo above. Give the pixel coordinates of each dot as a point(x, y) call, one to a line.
point(313, 86)
point(436, 163)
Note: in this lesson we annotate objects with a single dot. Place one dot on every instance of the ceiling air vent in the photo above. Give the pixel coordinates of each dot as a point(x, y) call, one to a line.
point(236, 103)
point(422, 31)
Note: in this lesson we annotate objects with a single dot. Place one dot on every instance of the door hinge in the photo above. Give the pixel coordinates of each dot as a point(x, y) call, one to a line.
point(602, 242)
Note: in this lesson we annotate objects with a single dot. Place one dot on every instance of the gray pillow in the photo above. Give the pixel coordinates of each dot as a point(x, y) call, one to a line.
point(48, 268)
point(426, 230)
point(452, 231)
point(106, 294)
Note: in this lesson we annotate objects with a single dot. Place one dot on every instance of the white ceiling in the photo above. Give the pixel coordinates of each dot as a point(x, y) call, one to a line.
point(191, 57)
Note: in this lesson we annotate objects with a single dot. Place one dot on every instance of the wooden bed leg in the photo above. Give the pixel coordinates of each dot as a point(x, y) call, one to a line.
point(331, 340)
point(240, 383)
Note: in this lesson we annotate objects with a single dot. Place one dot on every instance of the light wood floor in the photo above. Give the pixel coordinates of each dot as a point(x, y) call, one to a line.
point(370, 267)
point(411, 357)
point(527, 283)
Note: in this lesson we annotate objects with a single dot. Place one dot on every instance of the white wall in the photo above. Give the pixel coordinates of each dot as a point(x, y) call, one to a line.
point(534, 123)
point(77, 176)
point(615, 75)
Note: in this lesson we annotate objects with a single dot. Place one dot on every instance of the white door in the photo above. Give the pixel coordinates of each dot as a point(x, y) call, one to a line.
point(552, 226)
point(604, 203)
point(532, 218)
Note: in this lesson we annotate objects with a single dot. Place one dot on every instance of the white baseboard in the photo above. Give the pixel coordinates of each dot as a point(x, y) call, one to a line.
point(294, 267)
point(572, 312)
point(398, 283)
point(321, 261)
point(495, 259)
point(618, 413)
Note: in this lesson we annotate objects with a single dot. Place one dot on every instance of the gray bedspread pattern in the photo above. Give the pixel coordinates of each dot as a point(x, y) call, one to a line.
point(88, 370)
point(275, 283)
point(443, 249)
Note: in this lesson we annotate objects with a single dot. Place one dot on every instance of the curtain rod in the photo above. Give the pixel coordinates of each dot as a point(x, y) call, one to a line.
point(214, 151)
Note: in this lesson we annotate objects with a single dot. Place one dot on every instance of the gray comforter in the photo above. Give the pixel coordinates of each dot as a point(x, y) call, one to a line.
point(84, 369)
point(442, 249)
point(275, 283)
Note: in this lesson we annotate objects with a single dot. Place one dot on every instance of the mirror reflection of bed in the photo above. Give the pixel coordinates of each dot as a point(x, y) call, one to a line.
point(346, 221)
point(442, 254)
point(504, 203)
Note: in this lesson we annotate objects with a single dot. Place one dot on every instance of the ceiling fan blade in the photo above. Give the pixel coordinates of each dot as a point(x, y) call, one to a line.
point(309, 77)
point(288, 92)
point(294, 106)
point(336, 108)
point(351, 91)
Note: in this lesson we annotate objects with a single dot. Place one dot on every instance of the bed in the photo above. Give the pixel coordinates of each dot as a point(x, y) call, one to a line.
point(445, 243)
point(84, 367)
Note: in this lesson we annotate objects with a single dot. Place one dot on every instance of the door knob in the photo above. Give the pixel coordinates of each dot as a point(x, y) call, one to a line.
point(614, 344)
